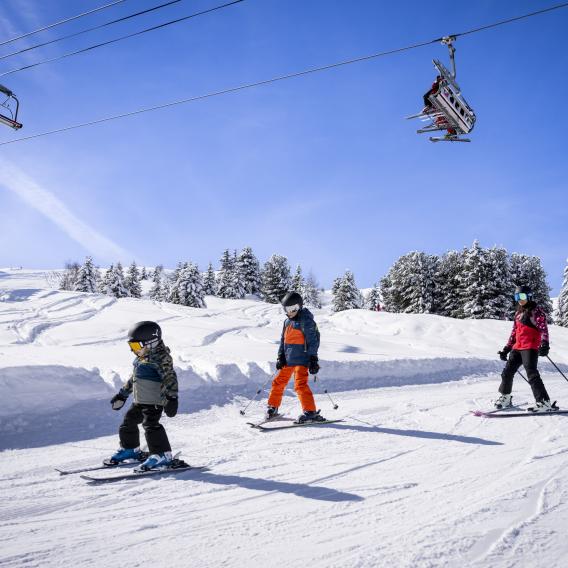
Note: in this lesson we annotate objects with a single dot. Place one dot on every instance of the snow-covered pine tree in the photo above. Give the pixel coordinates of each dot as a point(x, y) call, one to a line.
point(348, 296)
point(104, 284)
point(143, 273)
point(69, 277)
point(297, 281)
point(209, 282)
point(249, 268)
point(238, 279)
point(528, 271)
point(562, 310)
point(229, 283)
point(373, 298)
point(112, 283)
point(132, 281)
point(410, 285)
point(87, 277)
point(486, 284)
point(157, 292)
point(275, 279)
point(173, 288)
point(189, 287)
point(335, 285)
point(449, 299)
point(310, 292)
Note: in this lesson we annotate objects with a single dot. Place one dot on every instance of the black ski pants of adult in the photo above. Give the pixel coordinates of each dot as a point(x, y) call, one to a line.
point(529, 359)
point(149, 416)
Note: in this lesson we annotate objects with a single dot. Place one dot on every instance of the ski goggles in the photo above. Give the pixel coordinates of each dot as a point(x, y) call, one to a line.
point(521, 296)
point(135, 346)
point(292, 309)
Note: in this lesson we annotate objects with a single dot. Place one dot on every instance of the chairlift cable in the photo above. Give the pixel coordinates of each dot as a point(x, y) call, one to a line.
point(111, 41)
point(268, 81)
point(75, 34)
point(62, 22)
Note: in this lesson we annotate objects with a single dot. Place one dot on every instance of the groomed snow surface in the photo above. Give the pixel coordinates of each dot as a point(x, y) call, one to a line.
point(410, 478)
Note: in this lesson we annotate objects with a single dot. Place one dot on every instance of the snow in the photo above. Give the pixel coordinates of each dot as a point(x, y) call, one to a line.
point(410, 478)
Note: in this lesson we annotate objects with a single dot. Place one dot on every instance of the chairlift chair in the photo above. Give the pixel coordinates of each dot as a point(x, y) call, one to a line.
point(9, 114)
point(448, 109)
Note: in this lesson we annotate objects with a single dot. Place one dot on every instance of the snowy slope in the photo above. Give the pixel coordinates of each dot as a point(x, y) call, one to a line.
point(410, 478)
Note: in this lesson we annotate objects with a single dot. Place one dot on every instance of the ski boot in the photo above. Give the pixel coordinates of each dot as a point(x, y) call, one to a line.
point(544, 406)
point(310, 416)
point(123, 454)
point(271, 412)
point(504, 401)
point(157, 461)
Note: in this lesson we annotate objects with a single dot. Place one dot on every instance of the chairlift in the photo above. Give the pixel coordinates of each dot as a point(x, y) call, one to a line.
point(445, 107)
point(9, 109)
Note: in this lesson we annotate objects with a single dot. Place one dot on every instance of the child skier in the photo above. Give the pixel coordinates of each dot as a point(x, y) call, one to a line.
point(155, 387)
point(298, 354)
point(528, 340)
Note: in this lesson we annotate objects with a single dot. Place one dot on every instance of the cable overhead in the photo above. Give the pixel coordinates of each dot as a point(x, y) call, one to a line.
point(48, 27)
point(111, 41)
point(81, 32)
point(274, 79)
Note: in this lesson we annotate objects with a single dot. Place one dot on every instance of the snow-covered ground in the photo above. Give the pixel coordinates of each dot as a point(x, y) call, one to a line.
point(409, 479)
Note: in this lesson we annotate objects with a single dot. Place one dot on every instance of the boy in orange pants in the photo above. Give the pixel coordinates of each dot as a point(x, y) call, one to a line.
point(298, 354)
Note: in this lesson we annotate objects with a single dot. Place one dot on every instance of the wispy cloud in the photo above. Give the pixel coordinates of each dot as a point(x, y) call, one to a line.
point(38, 197)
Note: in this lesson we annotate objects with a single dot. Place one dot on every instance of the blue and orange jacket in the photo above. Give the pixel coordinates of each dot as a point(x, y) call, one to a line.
point(300, 339)
point(529, 328)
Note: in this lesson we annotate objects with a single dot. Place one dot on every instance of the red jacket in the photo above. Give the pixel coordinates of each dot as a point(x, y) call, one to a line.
point(529, 329)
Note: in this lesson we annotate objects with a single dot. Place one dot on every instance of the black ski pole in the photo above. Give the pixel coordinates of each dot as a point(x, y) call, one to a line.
point(556, 367)
point(335, 406)
point(526, 380)
point(243, 410)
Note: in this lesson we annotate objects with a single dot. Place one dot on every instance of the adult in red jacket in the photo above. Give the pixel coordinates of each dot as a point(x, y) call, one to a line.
point(528, 340)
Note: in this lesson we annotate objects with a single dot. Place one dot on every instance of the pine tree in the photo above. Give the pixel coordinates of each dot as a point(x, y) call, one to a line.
point(238, 278)
point(347, 296)
point(187, 290)
point(118, 288)
point(157, 292)
point(69, 277)
point(373, 299)
point(562, 311)
point(132, 281)
point(297, 281)
point(310, 292)
point(87, 277)
point(528, 271)
point(229, 281)
point(448, 280)
point(275, 279)
point(144, 274)
point(209, 282)
point(249, 269)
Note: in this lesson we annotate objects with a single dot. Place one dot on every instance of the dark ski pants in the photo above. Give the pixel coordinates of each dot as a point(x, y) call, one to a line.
point(149, 416)
point(529, 359)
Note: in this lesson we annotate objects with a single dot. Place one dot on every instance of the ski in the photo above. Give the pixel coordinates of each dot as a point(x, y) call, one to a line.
point(479, 412)
point(107, 464)
point(277, 418)
point(267, 428)
point(516, 414)
point(137, 474)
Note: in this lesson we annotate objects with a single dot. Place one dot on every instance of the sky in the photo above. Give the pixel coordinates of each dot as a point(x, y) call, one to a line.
point(323, 169)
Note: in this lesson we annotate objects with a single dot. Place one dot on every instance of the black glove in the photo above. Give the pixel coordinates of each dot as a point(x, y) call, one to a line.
point(281, 361)
point(118, 400)
point(313, 367)
point(544, 349)
point(171, 406)
point(504, 352)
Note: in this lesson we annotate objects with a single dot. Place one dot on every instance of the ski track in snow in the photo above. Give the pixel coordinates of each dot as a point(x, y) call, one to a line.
point(410, 479)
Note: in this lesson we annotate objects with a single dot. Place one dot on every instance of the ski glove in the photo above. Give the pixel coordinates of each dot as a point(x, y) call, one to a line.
point(503, 354)
point(171, 406)
point(281, 361)
point(118, 400)
point(544, 349)
point(313, 367)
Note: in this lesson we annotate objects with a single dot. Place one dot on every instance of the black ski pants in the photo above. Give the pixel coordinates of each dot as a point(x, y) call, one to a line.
point(149, 416)
point(529, 359)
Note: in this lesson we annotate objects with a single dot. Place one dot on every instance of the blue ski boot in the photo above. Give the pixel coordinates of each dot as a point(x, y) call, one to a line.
point(123, 454)
point(310, 416)
point(157, 461)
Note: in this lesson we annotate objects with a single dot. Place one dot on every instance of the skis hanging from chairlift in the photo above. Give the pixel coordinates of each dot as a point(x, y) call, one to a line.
point(9, 109)
point(445, 108)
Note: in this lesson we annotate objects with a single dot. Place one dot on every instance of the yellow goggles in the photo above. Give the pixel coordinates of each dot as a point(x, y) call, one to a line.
point(135, 346)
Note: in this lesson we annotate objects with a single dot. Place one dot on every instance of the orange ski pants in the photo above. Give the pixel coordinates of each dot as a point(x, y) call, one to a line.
point(301, 387)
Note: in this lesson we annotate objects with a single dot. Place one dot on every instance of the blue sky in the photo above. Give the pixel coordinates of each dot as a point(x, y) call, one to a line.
point(322, 169)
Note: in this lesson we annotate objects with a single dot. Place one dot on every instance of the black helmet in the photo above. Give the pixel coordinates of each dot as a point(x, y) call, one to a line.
point(145, 332)
point(523, 290)
point(292, 299)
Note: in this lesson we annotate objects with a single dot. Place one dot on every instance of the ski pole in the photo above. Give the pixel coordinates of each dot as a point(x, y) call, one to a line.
point(335, 406)
point(243, 410)
point(556, 367)
point(526, 380)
